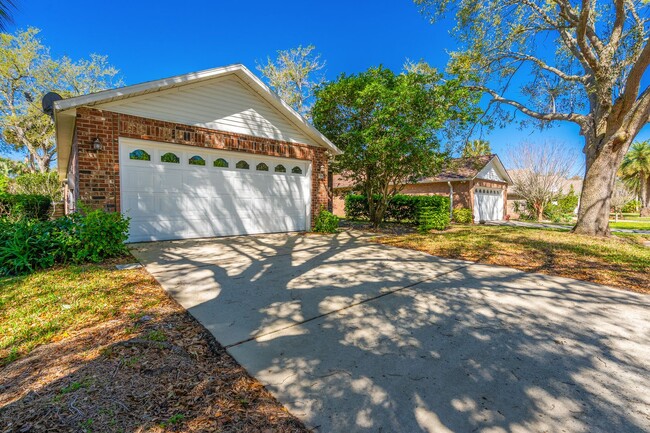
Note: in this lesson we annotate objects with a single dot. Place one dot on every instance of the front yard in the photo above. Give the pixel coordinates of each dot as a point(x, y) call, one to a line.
point(94, 349)
point(620, 261)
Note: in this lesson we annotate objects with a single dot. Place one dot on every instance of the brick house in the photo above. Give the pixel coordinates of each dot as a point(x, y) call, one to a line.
point(211, 153)
point(480, 184)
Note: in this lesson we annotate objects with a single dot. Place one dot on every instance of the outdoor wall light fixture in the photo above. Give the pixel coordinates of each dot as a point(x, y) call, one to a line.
point(97, 144)
point(321, 171)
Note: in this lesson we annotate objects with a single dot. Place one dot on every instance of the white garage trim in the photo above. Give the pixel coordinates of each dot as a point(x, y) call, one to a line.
point(488, 204)
point(178, 200)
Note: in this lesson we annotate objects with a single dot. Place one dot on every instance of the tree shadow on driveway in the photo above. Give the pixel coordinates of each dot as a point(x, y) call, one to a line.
point(355, 336)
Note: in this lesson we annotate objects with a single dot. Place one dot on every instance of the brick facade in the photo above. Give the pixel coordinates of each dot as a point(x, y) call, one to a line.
point(97, 173)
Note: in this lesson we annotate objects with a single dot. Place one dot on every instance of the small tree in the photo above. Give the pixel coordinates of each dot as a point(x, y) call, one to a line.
point(476, 148)
point(294, 76)
point(635, 170)
point(538, 173)
point(387, 126)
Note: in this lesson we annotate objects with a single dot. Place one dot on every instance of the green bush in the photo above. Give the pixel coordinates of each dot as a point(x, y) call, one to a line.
point(4, 183)
point(430, 218)
point(462, 215)
point(47, 184)
point(567, 203)
point(27, 245)
point(401, 207)
point(326, 222)
point(631, 206)
point(25, 206)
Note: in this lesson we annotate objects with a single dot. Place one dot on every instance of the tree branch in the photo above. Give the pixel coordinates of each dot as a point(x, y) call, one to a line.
point(539, 62)
point(581, 31)
point(570, 117)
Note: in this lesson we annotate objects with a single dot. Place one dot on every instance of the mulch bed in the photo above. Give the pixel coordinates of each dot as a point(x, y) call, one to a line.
point(154, 373)
point(387, 228)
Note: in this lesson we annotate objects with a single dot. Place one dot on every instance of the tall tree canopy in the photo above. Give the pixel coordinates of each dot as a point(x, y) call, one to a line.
point(635, 169)
point(476, 148)
point(294, 75)
point(388, 125)
point(562, 60)
point(27, 72)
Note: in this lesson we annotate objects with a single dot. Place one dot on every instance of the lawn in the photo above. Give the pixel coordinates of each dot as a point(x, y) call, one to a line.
point(91, 348)
point(637, 223)
point(620, 261)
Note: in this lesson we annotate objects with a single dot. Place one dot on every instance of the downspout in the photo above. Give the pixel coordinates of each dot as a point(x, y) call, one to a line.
point(451, 200)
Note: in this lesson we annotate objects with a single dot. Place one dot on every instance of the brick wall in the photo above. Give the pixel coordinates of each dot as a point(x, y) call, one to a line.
point(99, 171)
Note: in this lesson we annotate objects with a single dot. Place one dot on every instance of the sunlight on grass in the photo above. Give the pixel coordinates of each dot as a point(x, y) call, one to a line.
point(48, 305)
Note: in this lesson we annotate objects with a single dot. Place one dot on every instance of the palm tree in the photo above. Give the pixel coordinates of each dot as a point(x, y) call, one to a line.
point(635, 169)
point(476, 148)
point(6, 7)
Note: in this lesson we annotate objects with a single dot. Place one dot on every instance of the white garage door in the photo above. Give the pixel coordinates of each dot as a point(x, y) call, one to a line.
point(178, 192)
point(488, 204)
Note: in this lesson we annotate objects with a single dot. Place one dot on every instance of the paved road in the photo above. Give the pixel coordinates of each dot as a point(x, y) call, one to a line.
point(353, 336)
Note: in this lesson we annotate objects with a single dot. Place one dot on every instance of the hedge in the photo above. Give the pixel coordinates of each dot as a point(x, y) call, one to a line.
point(401, 207)
point(25, 206)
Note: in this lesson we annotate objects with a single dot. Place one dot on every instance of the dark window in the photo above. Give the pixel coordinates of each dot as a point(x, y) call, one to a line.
point(280, 169)
point(220, 163)
point(196, 160)
point(243, 165)
point(296, 170)
point(170, 157)
point(140, 155)
point(262, 167)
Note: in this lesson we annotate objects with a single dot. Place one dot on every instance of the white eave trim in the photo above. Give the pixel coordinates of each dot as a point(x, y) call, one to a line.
point(167, 83)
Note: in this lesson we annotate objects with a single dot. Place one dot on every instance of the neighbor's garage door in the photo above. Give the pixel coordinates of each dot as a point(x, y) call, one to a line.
point(488, 204)
point(177, 192)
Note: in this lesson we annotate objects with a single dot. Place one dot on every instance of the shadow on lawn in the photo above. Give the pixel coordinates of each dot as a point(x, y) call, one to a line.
point(455, 347)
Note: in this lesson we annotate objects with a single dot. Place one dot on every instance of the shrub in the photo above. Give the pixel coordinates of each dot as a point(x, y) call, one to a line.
point(4, 183)
point(567, 203)
point(430, 218)
point(326, 222)
point(463, 215)
point(631, 206)
point(27, 245)
point(401, 207)
point(25, 206)
point(47, 184)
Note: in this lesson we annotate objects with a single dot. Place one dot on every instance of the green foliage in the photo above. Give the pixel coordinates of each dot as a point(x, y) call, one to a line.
point(326, 222)
point(631, 206)
point(28, 244)
point(28, 71)
point(25, 206)
point(4, 183)
point(430, 218)
point(476, 148)
point(47, 184)
point(462, 215)
point(389, 126)
point(401, 207)
point(567, 203)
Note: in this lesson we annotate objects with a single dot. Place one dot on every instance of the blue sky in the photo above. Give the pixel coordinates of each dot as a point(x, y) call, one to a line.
point(151, 40)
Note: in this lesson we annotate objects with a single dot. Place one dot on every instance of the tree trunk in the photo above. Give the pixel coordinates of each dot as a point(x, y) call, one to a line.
point(539, 210)
point(600, 176)
point(646, 197)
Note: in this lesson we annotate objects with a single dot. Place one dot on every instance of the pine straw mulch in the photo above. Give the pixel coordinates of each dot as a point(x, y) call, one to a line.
point(160, 372)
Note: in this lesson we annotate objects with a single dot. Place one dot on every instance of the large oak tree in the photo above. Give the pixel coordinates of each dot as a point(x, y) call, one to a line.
point(562, 60)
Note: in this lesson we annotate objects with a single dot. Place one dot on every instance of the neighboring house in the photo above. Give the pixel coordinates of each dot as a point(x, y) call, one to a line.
point(211, 153)
point(479, 183)
point(515, 201)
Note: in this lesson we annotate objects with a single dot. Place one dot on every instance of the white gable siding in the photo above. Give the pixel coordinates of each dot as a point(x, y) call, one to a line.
point(221, 104)
point(490, 173)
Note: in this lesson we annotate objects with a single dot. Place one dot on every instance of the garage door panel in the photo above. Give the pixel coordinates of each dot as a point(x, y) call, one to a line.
point(488, 204)
point(173, 201)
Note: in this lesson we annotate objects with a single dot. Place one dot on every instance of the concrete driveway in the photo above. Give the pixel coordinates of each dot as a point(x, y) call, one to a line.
point(354, 336)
